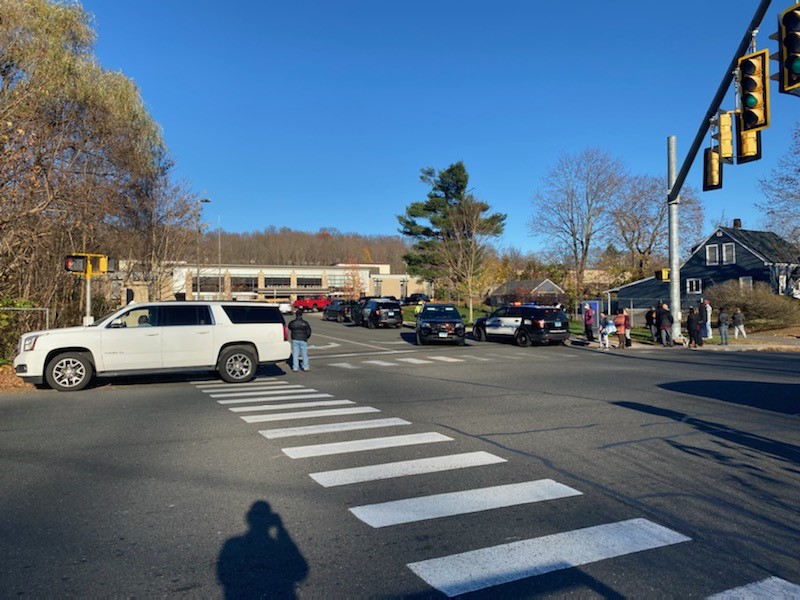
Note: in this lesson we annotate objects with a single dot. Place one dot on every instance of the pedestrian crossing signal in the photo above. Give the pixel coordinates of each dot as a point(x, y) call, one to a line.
point(75, 264)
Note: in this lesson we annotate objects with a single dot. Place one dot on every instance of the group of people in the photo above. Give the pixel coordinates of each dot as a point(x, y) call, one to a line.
point(659, 321)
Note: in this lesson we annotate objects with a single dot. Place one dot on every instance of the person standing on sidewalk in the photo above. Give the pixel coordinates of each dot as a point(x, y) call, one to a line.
point(738, 324)
point(706, 314)
point(619, 323)
point(301, 331)
point(723, 321)
point(650, 323)
point(665, 320)
point(603, 330)
point(588, 322)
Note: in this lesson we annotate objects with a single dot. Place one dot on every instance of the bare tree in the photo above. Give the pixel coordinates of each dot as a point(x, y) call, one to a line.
point(782, 189)
point(573, 207)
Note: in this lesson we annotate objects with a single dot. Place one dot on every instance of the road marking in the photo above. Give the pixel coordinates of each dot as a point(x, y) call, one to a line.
point(325, 347)
point(300, 396)
point(411, 510)
point(448, 359)
point(272, 434)
point(772, 587)
point(477, 358)
point(310, 414)
point(329, 337)
point(380, 363)
point(368, 444)
point(213, 386)
point(404, 468)
point(415, 361)
point(351, 354)
point(290, 405)
point(343, 365)
point(282, 389)
point(480, 569)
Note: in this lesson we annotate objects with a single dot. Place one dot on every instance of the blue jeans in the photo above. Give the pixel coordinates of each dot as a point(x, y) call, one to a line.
point(723, 334)
point(299, 347)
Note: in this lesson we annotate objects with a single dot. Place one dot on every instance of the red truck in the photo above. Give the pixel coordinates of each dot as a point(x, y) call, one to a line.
point(312, 302)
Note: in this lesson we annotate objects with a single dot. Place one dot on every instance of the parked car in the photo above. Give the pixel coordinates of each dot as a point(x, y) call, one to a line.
point(312, 302)
point(380, 311)
point(338, 310)
point(524, 325)
point(232, 338)
point(416, 299)
point(441, 323)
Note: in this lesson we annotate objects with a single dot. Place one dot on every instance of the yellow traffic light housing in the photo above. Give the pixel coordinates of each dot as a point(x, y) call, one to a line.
point(754, 86)
point(662, 274)
point(712, 170)
point(75, 263)
point(788, 55)
point(724, 137)
point(748, 146)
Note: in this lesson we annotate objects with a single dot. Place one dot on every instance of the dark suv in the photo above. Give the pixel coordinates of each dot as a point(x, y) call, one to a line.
point(441, 323)
point(381, 312)
point(524, 325)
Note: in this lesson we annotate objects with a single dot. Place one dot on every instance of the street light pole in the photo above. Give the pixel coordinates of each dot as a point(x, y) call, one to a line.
point(219, 257)
point(199, 201)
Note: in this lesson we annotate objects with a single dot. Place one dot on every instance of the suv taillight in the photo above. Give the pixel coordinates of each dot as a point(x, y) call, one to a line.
point(285, 333)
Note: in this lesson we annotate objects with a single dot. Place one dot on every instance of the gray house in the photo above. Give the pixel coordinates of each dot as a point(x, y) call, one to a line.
point(541, 291)
point(728, 254)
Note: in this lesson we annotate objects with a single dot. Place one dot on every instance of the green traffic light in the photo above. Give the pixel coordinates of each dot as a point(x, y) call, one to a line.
point(794, 65)
point(750, 101)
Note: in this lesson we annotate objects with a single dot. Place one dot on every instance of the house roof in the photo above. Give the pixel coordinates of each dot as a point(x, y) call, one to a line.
point(768, 246)
point(533, 285)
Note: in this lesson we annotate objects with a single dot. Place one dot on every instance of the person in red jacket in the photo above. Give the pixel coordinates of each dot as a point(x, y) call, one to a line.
point(619, 323)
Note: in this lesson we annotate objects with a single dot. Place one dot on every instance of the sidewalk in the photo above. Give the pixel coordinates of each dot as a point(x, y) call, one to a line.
point(765, 341)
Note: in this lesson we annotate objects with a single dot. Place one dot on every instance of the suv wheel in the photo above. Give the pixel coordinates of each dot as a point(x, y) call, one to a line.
point(420, 341)
point(237, 365)
point(370, 324)
point(69, 372)
point(340, 318)
point(480, 334)
point(522, 338)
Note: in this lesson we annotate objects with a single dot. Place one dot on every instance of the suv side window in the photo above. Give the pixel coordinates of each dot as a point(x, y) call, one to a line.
point(253, 314)
point(177, 315)
point(514, 311)
point(500, 312)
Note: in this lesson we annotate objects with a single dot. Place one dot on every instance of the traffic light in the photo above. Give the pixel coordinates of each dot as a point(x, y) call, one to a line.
point(754, 84)
point(106, 265)
point(75, 264)
point(788, 55)
point(748, 147)
point(712, 170)
point(662, 274)
point(724, 137)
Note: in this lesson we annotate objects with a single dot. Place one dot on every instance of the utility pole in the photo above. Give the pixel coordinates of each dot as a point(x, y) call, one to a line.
point(674, 268)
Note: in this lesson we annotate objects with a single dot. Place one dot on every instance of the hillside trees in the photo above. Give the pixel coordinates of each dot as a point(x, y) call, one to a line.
point(450, 231)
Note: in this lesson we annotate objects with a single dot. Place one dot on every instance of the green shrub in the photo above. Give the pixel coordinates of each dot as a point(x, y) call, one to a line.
point(762, 308)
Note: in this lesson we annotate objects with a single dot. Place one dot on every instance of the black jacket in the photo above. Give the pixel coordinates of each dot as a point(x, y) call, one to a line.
point(300, 329)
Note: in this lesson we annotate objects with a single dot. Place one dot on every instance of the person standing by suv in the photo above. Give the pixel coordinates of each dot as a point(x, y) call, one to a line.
point(301, 331)
point(588, 322)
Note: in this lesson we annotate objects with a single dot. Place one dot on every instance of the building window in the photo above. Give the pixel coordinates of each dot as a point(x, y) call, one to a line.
point(277, 281)
point(745, 283)
point(694, 286)
point(728, 254)
point(244, 284)
point(712, 255)
point(309, 282)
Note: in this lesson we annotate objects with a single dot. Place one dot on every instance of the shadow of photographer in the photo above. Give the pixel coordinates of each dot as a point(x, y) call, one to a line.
point(262, 563)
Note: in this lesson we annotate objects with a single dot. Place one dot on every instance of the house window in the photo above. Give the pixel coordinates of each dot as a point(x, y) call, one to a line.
point(694, 286)
point(728, 254)
point(745, 283)
point(712, 255)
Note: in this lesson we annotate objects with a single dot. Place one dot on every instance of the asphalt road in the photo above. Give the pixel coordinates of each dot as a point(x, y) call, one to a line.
point(487, 470)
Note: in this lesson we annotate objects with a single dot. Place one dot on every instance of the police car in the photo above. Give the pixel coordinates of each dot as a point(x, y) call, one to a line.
point(524, 324)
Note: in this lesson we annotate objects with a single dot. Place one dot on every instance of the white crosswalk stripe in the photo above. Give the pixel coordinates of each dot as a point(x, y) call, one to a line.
point(265, 390)
point(448, 359)
point(303, 395)
point(310, 414)
point(344, 365)
point(380, 363)
point(459, 503)
point(405, 468)
point(480, 569)
point(415, 361)
point(363, 445)
point(772, 587)
point(272, 434)
point(290, 405)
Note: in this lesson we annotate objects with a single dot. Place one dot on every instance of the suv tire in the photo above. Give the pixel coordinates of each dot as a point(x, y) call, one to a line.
point(522, 338)
point(480, 334)
point(370, 324)
point(237, 364)
point(69, 372)
point(420, 341)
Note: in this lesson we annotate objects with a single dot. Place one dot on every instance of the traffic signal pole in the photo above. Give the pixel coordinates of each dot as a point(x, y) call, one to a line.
point(676, 181)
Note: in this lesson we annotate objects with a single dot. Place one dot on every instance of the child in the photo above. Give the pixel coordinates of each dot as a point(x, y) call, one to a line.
point(604, 322)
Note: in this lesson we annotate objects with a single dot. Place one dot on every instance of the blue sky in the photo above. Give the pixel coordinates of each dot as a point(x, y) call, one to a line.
point(310, 114)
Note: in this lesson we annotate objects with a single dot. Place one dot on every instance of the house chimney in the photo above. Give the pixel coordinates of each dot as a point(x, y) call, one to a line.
point(737, 223)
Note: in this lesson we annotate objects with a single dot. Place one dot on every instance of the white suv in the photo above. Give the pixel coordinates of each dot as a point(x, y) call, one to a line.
point(229, 337)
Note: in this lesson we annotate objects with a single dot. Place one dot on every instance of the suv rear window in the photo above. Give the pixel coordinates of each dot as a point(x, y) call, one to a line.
point(388, 305)
point(253, 314)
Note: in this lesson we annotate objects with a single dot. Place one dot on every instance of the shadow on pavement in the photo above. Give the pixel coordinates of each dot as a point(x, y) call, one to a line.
point(264, 562)
point(776, 397)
